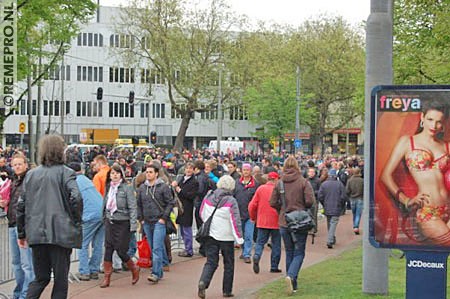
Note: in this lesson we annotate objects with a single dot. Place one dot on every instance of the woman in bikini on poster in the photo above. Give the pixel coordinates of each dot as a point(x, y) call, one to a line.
point(427, 159)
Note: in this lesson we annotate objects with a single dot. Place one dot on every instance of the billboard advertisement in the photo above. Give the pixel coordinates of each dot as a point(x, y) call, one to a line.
point(410, 167)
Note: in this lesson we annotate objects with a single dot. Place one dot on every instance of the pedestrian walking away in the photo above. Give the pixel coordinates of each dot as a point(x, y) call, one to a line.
point(49, 219)
point(298, 195)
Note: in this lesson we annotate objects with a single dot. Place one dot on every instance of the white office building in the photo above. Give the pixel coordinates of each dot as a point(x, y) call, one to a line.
point(89, 64)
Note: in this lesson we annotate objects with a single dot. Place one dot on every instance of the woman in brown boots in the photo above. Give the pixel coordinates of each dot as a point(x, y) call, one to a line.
point(120, 214)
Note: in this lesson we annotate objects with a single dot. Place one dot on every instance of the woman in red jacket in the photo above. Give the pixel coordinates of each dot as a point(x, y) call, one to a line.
point(266, 219)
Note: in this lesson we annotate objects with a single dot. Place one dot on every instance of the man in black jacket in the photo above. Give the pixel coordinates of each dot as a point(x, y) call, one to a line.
point(20, 257)
point(49, 218)
point(204, 185)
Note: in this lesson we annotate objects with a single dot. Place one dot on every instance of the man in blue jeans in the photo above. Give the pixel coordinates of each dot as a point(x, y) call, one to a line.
point(93, 229)
point(155, 202)
point(21, 257)
point(355, 189)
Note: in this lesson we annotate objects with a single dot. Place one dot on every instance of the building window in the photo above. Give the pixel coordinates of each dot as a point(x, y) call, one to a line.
point(90, 39)
point(67, 107)
point(89, 109)
point(144, 110)
point(158, 110)
point(83, 109)
point(123, 75)
point(111, 109)
point(78, 108)
point(121, 40)
point(116, 109)
point(238, 113)
point(57, 108)
point(45, 107)
point(90, 73)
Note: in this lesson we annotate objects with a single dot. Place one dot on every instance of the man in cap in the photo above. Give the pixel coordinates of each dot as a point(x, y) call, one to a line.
point(266, 219)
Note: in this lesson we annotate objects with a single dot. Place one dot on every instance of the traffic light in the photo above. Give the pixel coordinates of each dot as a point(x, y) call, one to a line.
point(153, 137)
point(99, 93)
point(131, 97)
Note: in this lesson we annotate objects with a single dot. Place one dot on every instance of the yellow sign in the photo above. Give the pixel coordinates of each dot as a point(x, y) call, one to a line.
point(22, 127)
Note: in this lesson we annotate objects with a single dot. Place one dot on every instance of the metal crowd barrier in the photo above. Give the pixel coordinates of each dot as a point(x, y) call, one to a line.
point(6, 272)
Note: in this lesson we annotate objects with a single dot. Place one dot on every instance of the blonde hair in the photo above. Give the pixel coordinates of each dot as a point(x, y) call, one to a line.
point(291, 162)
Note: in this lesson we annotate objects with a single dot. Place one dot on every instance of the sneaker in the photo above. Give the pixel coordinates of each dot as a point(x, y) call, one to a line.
point(227, 295)
point(94, 276)
point(241, 257)
point(256, 266)
point(289, 286)
point(184, 254)
point(330, 246)
point(166, 268)
point(153, 278)
point(356, 231)
point(247, 260)
point(83, 277)
point(275, 271)
point(201, 289)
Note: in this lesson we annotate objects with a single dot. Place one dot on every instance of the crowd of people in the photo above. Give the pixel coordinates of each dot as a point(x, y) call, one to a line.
point(93, 201)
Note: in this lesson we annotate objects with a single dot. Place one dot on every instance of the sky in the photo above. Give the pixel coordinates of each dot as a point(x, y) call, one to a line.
point(293, 12)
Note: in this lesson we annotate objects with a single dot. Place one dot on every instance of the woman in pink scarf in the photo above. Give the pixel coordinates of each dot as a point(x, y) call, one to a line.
point(120, 214)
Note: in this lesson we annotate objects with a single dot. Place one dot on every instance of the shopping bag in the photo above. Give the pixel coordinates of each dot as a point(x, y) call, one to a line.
point(145, 254)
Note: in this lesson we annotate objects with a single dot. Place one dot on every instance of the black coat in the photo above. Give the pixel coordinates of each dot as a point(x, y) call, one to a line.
point(187, 195)
point(149, 210)
point(50, 207)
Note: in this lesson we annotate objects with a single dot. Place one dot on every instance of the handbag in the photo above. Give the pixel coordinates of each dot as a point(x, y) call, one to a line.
point(171, 227)
point(145, 253)
point(203, 231)
point(298, 221)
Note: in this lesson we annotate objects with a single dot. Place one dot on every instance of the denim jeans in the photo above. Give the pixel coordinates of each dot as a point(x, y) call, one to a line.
point(156, 232)
point(332, 222)
point(22, 263)
point(247, 228)
point(294, 245)
point(357, 208)
point(93, 233)
point(263, 237)
point(186, 233)
point(132, 248)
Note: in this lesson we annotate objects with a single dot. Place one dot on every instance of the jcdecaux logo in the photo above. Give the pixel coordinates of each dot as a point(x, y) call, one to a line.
point(422, 264)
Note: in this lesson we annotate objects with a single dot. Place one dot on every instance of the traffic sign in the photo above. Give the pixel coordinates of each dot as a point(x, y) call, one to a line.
point(22, 127)
point(298, 143)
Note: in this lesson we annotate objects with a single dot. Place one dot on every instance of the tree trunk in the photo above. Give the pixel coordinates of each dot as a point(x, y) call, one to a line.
point(182, 131)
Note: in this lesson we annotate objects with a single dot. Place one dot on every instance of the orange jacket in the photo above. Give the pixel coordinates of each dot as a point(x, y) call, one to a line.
point(99, 179)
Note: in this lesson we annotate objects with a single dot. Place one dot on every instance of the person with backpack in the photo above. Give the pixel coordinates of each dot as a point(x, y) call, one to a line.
point(298, 195)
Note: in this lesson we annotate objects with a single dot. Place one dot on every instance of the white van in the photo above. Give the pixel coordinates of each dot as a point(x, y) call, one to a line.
point(226, 146)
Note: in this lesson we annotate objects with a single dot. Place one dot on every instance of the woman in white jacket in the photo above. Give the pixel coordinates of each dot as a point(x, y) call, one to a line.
point(225, 229)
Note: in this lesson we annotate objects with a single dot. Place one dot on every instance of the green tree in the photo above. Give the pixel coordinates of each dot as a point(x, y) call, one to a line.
point(421, 41)
point(330, 54)
point(186, 47)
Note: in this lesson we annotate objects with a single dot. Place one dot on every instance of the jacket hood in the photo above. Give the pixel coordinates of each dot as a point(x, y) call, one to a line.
point(290, 175)
point(218, 194)
point(158, 181)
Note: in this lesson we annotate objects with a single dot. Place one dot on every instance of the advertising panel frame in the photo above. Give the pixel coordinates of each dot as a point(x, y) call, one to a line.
point(376, 210)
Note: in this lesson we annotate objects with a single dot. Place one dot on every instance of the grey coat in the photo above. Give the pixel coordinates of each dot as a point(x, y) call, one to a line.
point(332, 196)
point(126, 205)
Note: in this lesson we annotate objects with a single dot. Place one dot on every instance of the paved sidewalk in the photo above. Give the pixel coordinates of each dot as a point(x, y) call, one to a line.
point(181, 281)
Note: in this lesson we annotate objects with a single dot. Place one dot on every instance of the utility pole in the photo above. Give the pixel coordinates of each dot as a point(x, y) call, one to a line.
point(149, 109)
point(31, 140)
point(39, 100)
point(297, 113)
point(61, 104)
point(219, 112)
point(379, 44)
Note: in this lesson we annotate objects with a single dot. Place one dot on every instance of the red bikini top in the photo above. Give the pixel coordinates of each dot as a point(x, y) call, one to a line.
point(422, 160)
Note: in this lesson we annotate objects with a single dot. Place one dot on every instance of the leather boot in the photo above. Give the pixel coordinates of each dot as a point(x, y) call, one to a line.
point(134, 271)
point(108, 268)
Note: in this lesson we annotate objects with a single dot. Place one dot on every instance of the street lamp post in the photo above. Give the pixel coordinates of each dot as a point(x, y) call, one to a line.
point(219, 112)
point(297, 111)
